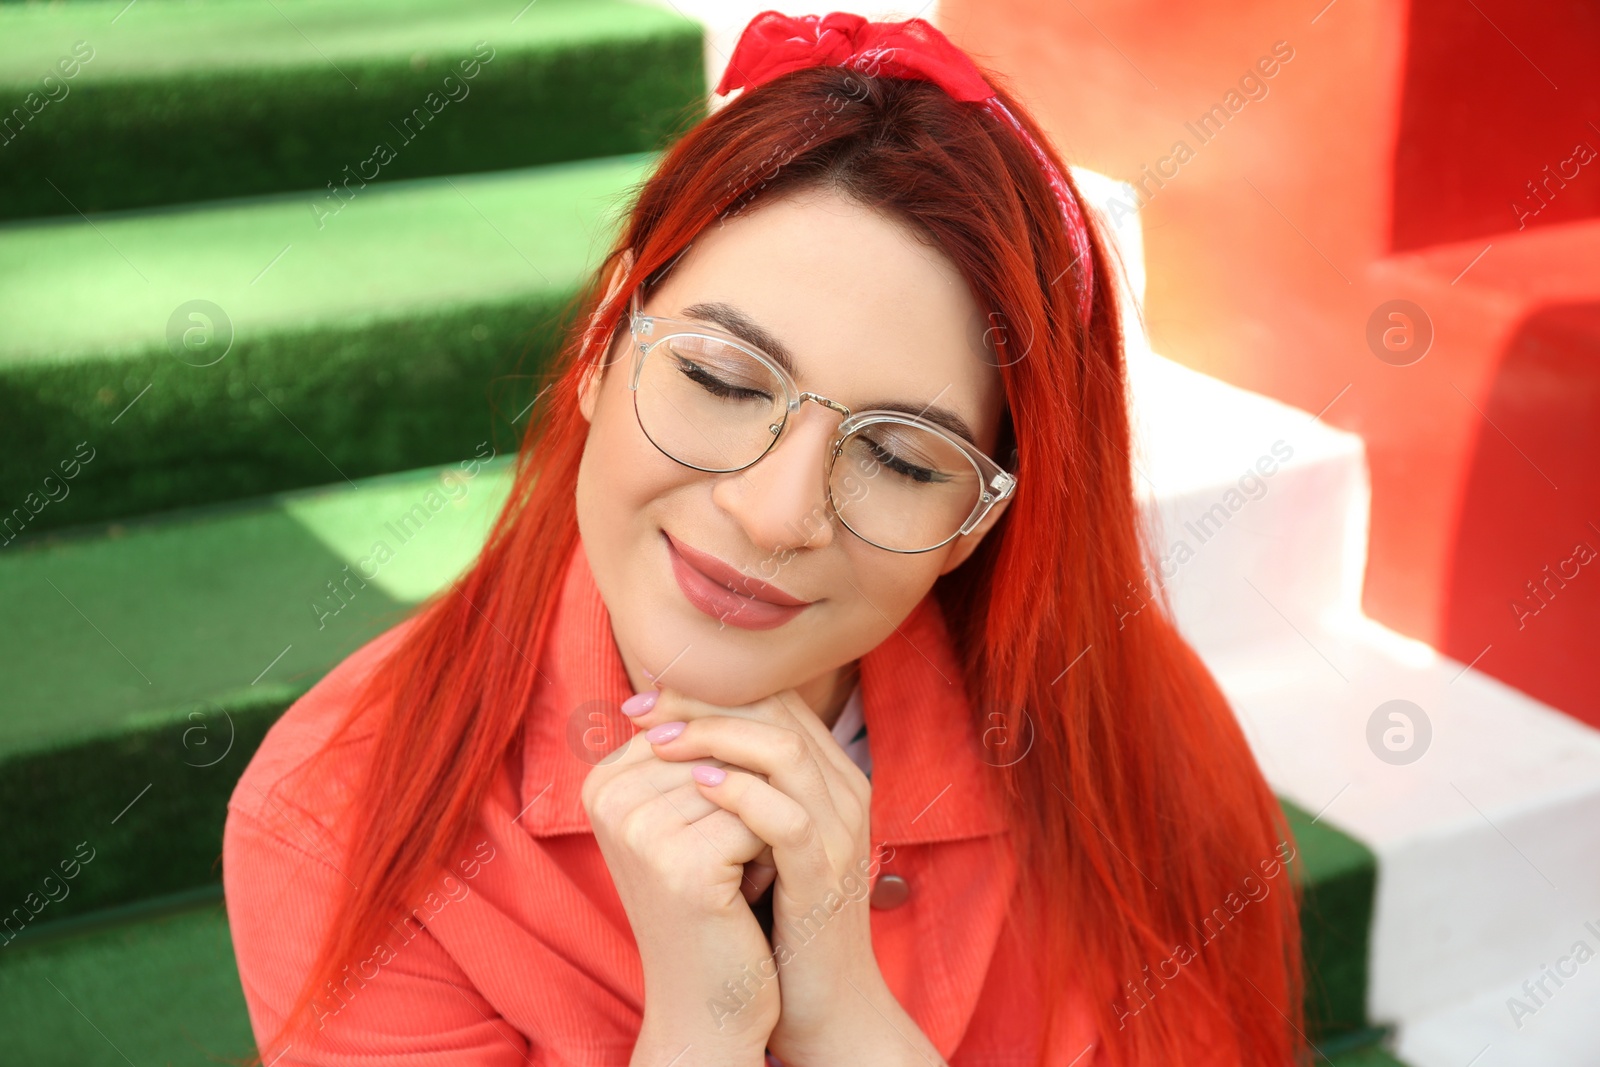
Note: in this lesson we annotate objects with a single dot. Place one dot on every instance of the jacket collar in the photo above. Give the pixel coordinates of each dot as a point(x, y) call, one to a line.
point(929, 783)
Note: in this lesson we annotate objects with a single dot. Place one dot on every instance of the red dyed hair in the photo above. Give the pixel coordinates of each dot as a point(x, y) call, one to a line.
point(1138, 810)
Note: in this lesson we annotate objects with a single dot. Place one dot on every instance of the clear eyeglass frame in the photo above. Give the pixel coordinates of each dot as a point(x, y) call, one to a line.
point(996, 483)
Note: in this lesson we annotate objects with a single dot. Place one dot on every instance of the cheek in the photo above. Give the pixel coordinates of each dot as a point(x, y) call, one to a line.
point(884, 588)
point(617, 476)
point(614, 498)
point(624, 482)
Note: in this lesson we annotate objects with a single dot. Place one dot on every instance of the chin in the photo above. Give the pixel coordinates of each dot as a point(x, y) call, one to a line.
point(705, 671)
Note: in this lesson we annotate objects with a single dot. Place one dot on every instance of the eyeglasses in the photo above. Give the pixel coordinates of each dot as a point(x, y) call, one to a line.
point(713, 402)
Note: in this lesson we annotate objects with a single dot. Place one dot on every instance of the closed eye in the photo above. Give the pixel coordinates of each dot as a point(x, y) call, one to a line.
point(714, 385)
point(901, 467)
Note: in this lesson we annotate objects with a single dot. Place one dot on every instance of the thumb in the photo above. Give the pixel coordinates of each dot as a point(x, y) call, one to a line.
point(758, 877)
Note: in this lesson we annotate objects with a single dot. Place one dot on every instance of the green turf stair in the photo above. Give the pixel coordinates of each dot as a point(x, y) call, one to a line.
point(148, 658)
point(144, 663)
point(379, 343)
point(162, 987)
point(110, 105)
point(1338, 877)
point(157, 988)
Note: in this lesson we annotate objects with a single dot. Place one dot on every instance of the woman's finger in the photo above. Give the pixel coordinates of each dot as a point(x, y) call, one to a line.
point(639, 774)
point(799, 847)
point(793, 710)
point(685, 810)
point(847, 789)
point(781, 709)
point(784, 756)
point(758, 876)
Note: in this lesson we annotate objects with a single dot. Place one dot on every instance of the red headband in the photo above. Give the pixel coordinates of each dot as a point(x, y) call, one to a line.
point(774, 44)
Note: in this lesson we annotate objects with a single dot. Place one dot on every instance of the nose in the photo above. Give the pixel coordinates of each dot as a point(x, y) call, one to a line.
point(782, 499)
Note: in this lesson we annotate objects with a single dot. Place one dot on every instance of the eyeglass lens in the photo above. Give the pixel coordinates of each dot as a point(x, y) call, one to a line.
point(713, 406)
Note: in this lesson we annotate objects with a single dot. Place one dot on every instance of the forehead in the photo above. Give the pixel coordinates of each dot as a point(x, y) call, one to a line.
point(866, 310)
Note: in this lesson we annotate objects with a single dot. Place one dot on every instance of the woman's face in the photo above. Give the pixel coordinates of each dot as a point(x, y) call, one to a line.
point(867, 313)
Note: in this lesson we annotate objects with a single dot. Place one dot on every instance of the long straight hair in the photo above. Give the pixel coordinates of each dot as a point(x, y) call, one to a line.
point(1138, 812)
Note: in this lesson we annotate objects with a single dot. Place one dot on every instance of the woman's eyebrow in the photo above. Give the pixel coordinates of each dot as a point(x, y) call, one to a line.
point(743, 326)
point(747, 329)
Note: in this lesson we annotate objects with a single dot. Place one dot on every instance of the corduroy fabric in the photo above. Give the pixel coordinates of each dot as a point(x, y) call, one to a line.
point(524, 955)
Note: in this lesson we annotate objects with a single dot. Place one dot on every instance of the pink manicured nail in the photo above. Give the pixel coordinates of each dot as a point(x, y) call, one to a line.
point(709, 775)
point(640, 703)
point(665, 732)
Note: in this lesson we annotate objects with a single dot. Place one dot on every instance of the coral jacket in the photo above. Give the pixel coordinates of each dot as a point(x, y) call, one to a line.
point(523, 954)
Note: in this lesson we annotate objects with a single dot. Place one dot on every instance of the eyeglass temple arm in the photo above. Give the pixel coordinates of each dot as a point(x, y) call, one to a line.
point(1001, 485)
point(638, 322)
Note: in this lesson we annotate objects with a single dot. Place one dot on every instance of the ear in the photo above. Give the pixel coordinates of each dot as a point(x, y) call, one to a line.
point(966, 544)
point(589, 384)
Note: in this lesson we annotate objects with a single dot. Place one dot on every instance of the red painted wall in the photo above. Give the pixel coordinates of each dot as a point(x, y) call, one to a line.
point(1383, 160)
point(1496, 95)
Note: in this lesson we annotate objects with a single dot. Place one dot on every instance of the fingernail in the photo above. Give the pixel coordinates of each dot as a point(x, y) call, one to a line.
point(709, 775)
point(665, 732)
point(640, 703)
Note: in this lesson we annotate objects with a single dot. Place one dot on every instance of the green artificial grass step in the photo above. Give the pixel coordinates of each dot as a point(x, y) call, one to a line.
point(99, 990)
point(187, 356)
point(115, 106)
point(164, 988)
point(147, 660)
point(1373, 1055)
point(144, 663)
point(160, 989)
point(1338, 875)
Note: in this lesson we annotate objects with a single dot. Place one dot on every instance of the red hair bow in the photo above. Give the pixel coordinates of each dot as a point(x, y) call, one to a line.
point(774, 44)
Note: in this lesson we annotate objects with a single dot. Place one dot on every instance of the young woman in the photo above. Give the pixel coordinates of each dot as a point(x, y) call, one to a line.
point(789, 709)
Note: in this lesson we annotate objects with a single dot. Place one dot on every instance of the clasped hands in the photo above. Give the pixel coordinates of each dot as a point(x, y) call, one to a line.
point(770, 796)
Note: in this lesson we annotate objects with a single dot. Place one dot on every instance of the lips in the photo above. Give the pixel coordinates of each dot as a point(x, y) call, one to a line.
point(735, 579)
point(725, 593)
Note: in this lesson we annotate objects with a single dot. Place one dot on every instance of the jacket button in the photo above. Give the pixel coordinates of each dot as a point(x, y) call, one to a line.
point(890, 892)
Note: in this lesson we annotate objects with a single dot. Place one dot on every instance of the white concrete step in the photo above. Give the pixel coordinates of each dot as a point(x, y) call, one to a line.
point(1258, 511)
point(1481, 804)
point(1484, 817)
point(1244, 494)
point(1522, 1023)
